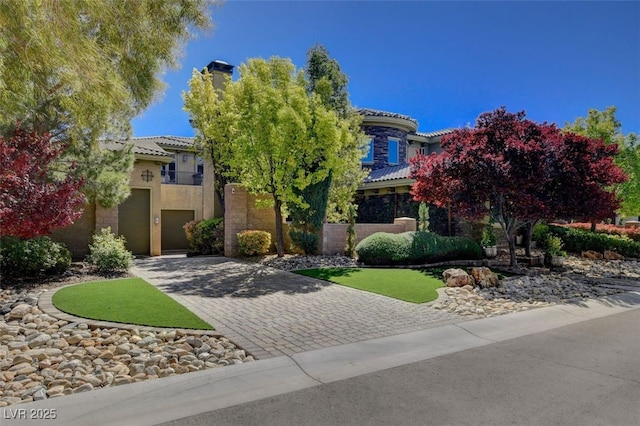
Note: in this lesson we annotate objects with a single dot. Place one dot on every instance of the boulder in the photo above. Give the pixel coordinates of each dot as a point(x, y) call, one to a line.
point(484, 277)
point(612, 255)
point(455, 277)
point(590, 254)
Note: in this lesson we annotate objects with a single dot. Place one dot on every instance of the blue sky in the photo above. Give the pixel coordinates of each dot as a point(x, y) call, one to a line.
point(442, 63)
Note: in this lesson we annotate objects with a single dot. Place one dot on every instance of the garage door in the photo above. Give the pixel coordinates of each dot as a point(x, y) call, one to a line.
point(134, 221)
point(173, 236)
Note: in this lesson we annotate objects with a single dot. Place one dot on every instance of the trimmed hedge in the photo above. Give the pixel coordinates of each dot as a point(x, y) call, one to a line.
point(205, 236)
point(577, 240)
point(252, 242)
point(413, 248)
point(32, 258)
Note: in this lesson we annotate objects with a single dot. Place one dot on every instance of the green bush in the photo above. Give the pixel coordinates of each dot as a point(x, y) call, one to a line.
point(540, 233)
point(305, 241)
point(578, 240)
point(32, 258)
point(554, 246)
point(205, 236)
point(412, 248)
point(251, 242)
point(108, 253)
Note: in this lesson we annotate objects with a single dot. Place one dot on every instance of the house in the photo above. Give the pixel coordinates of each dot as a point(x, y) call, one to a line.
point(170, 186)
point(393, 140)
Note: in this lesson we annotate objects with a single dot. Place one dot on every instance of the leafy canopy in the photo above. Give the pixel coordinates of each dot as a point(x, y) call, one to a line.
point(604, 125)
point(270, 130)
point(81, 70)
point(518, 172)
point(34, 199)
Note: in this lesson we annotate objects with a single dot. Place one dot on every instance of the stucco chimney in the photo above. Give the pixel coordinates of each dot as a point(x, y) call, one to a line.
point(219, 70)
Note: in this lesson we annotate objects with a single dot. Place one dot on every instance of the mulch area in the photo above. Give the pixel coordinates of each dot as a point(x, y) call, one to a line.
point(78, 272)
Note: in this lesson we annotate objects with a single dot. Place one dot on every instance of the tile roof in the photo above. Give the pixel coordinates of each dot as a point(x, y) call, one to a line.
point(435, 133)
point(141, 147)
point(173, 141)
point(378, 113)
point(400, 171)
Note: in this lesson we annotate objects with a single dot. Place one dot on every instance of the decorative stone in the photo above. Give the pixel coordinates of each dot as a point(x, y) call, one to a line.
point(593, 255)
point(484, 277)
point(612, 255)
point(19, 311)
point(457, 278)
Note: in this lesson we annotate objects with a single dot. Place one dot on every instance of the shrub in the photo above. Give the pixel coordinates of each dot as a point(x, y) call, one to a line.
point(554, 246)
point(350, 248)
point(578, 240)
point(32, 258)
point(205, 236)
point(305, 241)
point(414, 248)
point(540, 233)
point(633, 233)
point(108, 253)
point(251, 242)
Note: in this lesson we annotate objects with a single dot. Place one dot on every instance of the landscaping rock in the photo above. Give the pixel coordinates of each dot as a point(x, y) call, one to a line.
point(593, 255)
point(484, 277)
point(455, 277)
point(612, 255)
point(42, 357)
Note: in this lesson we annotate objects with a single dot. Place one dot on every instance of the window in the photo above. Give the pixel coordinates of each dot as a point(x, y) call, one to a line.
point(394, 151)
point(369, 157)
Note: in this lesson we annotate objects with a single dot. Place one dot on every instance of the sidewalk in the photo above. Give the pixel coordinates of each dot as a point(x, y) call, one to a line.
point(162, 400)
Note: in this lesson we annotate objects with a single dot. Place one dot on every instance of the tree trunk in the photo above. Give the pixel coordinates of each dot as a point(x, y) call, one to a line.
point(593, 227)
point(528, 236)
point(512, 249)
point(277, 207)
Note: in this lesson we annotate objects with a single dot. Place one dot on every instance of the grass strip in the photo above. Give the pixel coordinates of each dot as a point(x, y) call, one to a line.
point(128, 300)
point(410, 285)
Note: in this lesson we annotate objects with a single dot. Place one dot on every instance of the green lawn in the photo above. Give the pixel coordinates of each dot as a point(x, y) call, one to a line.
point(410, 285)
point(128, 300)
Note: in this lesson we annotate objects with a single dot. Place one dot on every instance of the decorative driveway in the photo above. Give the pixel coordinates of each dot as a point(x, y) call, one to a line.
point(270, 312)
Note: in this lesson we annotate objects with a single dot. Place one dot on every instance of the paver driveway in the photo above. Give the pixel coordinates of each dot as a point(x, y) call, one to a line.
point(271, 312)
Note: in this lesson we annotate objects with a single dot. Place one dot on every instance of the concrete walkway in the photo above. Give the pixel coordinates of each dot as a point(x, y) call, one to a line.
point(270, 313)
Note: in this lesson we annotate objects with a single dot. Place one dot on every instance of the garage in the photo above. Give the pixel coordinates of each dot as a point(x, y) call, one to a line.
point(134, 221)
point(173, 235)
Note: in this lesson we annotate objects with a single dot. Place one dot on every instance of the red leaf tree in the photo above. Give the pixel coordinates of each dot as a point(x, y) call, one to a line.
point(517, 172)
point(33, 201)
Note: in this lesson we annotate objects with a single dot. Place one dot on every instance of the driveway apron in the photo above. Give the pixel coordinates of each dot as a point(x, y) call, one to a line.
point(270, 312)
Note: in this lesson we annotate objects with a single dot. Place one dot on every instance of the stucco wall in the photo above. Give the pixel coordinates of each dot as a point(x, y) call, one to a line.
point(136, 181)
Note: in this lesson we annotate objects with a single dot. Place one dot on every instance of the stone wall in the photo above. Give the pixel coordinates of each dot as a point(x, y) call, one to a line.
point(243, 211)
point(380, 136)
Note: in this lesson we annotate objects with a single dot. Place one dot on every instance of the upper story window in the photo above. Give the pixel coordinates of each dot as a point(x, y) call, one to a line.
point(394, 151)
point(369, 157)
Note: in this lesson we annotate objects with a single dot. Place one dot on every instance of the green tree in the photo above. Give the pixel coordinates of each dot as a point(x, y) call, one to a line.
point(604, 125)
point(81, 70)
point(275, 129)
point(335, 195)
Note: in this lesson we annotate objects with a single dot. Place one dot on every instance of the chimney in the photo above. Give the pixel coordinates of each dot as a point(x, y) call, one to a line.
point(220, 70)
